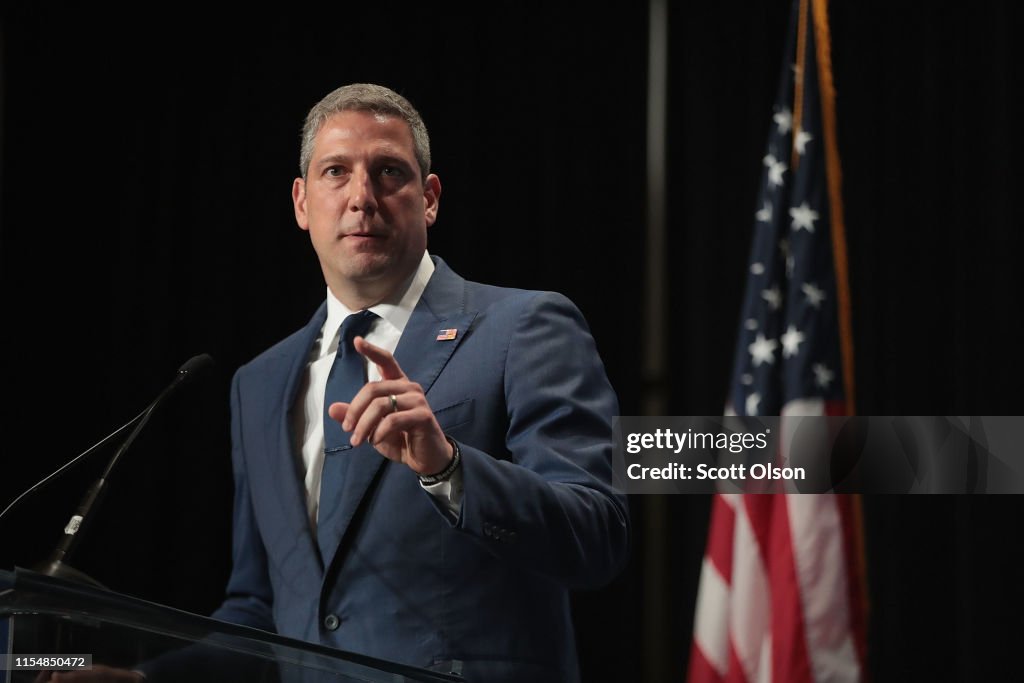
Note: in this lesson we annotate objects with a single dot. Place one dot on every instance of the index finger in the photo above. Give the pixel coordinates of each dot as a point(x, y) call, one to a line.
point(385, 362)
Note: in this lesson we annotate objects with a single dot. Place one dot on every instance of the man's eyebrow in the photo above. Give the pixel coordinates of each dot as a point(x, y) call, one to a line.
point(383, 156)
point(332, 159)
point(395, 159)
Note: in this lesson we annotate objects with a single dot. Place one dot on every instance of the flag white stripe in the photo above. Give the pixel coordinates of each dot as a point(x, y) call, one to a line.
point(816, 529)
point(750, 613)
point(711, 623)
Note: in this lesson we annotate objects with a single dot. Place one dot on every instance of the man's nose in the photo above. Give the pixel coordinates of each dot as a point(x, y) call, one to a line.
point(362, 192)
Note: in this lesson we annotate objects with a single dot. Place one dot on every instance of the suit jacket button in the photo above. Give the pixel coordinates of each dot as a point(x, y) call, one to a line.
point(332, 622)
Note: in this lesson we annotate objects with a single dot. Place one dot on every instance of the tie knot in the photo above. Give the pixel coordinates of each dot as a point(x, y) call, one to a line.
point(355, 325)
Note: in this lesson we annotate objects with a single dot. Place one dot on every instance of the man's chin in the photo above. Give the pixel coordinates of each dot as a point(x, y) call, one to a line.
point(374, 273)
point(376, 277)
point(368, 268)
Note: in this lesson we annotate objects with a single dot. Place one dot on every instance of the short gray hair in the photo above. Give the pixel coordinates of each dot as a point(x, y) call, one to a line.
point(367, 97)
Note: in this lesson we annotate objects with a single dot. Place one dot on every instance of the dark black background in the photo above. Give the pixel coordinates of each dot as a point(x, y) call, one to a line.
point(146, 166)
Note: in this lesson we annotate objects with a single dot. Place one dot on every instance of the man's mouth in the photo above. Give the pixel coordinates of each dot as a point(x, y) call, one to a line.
point(364, 235)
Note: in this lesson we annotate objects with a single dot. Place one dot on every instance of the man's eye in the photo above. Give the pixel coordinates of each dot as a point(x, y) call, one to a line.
point(391, 172)
point(334, 171)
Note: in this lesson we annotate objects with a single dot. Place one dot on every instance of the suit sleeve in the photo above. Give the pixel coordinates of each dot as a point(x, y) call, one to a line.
point(249, 595)
point(552, 508)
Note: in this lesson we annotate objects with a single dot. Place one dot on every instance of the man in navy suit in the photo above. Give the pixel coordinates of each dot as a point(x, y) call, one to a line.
point(475, 486)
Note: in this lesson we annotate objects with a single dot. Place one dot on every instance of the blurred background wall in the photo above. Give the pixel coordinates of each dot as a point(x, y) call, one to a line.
point(147, 159)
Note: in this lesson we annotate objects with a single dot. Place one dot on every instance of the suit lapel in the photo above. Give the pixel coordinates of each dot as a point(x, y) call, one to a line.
point(422, 357)
point(283, 381)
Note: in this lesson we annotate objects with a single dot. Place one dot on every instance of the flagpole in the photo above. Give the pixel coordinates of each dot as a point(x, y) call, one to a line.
point(834, 178)
point(833, 175)
point(798, 80)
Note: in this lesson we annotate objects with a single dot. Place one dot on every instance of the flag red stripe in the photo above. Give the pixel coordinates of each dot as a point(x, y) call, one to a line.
point(790, 658)
point(759, 512)
point(735, 673)
point(769, 521)
point(701, 670)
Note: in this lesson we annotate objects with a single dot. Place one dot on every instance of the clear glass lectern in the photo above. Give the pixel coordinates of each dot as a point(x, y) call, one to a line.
point(40, 615)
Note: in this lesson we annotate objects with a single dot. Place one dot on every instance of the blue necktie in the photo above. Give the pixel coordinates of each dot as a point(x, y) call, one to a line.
point(347, 377)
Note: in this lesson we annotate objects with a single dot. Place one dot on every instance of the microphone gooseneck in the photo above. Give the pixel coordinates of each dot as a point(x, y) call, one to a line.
point(56, 565)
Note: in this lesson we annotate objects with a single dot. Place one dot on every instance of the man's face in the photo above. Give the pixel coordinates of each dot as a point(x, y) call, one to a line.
point(365, 205)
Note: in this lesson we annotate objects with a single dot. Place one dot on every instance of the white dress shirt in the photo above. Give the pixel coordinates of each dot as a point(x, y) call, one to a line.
point(385, 332)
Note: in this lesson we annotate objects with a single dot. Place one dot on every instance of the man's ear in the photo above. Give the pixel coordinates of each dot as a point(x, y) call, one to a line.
point(299, 202)
point(431, 196)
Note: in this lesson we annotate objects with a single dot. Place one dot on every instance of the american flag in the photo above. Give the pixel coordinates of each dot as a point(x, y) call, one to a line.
point(781, 590)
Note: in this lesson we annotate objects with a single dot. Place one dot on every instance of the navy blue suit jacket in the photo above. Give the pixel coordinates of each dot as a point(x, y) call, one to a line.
point(522, 390)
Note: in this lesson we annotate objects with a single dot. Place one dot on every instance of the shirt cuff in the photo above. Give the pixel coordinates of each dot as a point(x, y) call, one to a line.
point(448, 492)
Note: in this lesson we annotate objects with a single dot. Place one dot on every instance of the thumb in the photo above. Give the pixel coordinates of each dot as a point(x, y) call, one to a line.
point(338, 411)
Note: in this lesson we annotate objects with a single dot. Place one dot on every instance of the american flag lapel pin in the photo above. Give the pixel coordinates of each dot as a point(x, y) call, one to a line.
point(447, 335)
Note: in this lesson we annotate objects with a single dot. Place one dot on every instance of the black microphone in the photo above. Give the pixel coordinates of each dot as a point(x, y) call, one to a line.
point(57, 565)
